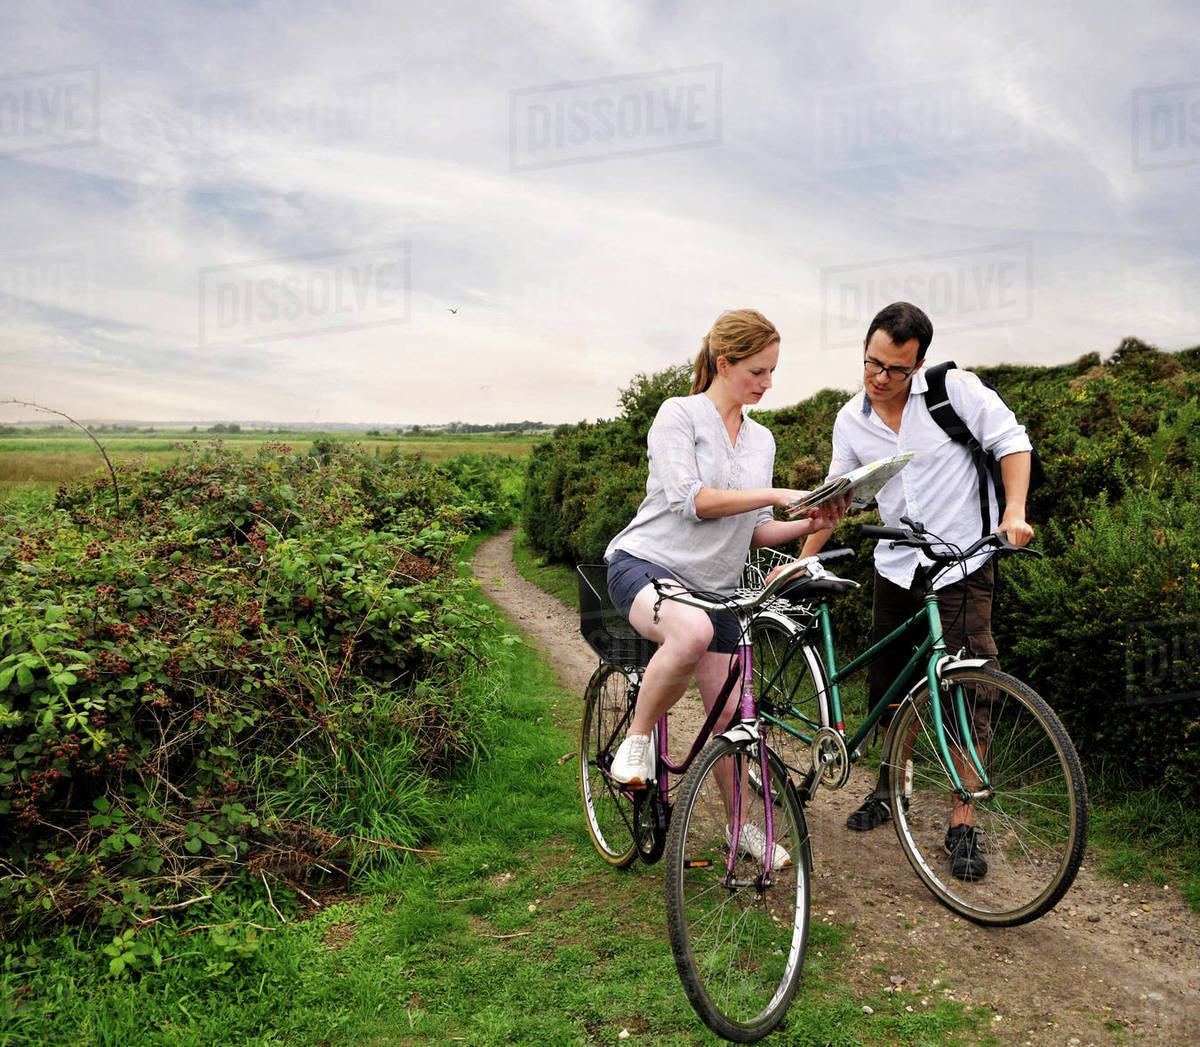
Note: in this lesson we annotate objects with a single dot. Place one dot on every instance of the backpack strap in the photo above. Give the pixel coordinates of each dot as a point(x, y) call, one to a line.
point(942, 411)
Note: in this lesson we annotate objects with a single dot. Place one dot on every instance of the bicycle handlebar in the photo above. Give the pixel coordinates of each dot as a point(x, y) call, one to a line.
point(916, 537)
point(832, 554)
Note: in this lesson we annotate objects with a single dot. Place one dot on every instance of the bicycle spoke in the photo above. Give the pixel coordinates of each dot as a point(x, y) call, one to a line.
point(739, 945)
point(608, 809)
point(1031, 829)
point(790, 687)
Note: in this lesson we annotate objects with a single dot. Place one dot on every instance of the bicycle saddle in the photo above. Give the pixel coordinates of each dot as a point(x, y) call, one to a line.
point(806, 587)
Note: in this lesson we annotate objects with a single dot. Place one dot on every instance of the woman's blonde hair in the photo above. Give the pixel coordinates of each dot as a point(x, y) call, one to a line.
point(737, 334)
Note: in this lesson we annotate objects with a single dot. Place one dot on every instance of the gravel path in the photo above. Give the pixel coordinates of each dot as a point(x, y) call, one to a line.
point(1113, 964)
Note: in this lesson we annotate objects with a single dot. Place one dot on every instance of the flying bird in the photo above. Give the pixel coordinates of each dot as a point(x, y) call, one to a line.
point(448, 309)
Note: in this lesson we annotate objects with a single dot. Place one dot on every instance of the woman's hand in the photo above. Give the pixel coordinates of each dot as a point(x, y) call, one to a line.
point(782, 497)
point(827, 515)
point(772, 576)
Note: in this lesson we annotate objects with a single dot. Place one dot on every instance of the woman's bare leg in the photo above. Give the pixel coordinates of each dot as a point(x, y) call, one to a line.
point(683, 634)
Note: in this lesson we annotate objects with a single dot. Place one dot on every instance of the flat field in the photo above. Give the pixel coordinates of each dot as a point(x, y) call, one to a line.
point(42, 460)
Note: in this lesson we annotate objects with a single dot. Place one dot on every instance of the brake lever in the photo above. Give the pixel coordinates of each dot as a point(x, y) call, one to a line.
point(1003, 545)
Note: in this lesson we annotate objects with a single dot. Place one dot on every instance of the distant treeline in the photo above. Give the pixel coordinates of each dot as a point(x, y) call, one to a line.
point(473, 427)
point(236, 428)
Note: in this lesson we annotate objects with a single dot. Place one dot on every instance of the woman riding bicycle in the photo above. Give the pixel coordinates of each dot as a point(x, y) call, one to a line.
point(709, 500)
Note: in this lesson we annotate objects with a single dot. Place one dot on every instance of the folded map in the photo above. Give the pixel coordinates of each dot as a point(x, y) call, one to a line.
point(867, 481)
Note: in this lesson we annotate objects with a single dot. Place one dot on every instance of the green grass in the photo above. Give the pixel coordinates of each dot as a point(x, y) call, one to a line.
point(1146, 835)
point(44, 461)
point(514, 931)
point(557, 579)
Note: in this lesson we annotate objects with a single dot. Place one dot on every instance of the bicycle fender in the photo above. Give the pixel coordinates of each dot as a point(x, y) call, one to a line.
point(779, 618)
point(742, 732)
point(949, 664)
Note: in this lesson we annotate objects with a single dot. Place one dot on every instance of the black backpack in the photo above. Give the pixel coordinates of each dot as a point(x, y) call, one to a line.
point(986, 463)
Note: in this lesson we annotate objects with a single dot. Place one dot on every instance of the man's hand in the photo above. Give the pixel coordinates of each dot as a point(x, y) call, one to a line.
point(829, 514)
point(1015, 529)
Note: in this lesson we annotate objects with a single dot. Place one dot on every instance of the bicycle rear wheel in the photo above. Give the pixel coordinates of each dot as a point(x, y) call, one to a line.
point(1030, 831)
point(608, 809)
point(791, 686)
point(738, 936)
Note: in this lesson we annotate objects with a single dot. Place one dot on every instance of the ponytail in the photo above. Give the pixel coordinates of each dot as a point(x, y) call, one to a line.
point(737, 334)
point(706, 367)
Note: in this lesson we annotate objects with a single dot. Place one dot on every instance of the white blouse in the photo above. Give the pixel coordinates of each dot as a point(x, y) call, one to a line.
point(689, 448)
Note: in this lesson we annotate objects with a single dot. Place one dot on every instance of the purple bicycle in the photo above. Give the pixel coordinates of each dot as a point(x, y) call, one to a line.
point(738, 856)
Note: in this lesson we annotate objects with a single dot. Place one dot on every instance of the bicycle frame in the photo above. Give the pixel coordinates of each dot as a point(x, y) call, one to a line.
point(742, 668)
point(931, 651)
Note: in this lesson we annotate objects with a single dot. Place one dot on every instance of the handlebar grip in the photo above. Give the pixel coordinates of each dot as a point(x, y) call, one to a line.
point(875, 531)
point(834, 554)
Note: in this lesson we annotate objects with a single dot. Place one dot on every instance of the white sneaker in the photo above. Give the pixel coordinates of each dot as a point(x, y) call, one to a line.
point(631, 765)
point(752, 842)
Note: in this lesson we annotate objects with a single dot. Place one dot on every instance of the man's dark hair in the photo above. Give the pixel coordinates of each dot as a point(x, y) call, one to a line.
point(903, 322)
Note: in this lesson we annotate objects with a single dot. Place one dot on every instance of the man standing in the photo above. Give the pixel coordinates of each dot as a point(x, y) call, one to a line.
point(940, 489)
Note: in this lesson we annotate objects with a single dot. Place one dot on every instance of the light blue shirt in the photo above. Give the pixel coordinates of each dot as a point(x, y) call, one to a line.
point(689, 448)
point(939, 487)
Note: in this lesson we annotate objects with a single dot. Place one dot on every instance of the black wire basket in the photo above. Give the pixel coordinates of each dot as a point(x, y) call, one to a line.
point(603, 626)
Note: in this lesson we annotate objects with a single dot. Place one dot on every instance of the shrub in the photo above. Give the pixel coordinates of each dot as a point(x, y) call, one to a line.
point(1124, 429)
point(186, 691)
point(1111, 624)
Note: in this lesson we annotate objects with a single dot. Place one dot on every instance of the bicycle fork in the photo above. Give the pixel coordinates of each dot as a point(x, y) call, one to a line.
point(747, 713)
point(969, 757)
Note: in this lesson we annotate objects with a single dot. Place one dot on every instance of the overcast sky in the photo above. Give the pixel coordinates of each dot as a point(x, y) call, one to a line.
point(268, 211)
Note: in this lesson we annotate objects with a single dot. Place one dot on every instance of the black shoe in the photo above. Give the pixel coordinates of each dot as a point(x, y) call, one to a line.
point(963, 847)
point(872, 814)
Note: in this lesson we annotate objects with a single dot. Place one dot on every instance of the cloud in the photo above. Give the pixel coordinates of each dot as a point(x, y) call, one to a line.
point(279, 141)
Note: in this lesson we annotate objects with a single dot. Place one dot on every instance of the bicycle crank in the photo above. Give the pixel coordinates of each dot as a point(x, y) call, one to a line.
point(830, 760)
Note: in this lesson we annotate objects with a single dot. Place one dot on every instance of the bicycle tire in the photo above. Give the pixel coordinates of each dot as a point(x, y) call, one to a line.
point(1032, 830)
point(799, 696)
point(738, 945)
point(608, 810)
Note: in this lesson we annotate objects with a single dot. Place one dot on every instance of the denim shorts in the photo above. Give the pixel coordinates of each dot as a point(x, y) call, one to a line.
point(627, 576)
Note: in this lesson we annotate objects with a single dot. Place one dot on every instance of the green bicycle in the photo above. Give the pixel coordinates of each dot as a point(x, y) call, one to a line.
point(965, 734)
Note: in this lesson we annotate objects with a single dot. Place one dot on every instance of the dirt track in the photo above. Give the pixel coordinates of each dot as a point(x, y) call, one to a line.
point(1112, 964)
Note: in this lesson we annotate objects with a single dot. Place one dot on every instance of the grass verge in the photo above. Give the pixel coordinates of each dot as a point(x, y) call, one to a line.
point(553, 578)
point(1147, 835)
point(513, 931)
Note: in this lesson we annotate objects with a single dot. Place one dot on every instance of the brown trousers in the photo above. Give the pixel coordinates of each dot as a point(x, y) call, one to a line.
point(966, 612)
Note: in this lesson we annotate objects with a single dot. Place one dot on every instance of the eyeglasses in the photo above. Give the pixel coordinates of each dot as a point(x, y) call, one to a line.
point(874, 367)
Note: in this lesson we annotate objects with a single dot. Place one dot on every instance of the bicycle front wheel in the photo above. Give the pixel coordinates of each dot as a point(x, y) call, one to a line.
point(738, 934)
point(607, 807)
point(1030, 828)
point(792, 687)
